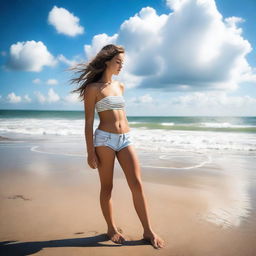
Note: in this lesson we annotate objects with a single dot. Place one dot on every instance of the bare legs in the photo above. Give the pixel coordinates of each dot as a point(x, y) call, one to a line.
point(106, 158)
point(129, 162)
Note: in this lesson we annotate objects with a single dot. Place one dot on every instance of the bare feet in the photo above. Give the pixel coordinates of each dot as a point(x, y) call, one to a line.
point(154, 239)
point(115, 235)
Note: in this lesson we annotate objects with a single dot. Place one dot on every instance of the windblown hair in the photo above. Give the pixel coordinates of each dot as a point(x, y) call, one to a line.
point(93, 70)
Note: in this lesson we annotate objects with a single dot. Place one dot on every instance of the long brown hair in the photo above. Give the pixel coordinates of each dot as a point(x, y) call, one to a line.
point(93, 70)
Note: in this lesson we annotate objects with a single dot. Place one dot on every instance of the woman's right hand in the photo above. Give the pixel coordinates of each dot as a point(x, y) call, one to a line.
point(92, 160)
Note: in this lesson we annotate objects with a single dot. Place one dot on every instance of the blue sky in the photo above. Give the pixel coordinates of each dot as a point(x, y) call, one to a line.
point(183, 57)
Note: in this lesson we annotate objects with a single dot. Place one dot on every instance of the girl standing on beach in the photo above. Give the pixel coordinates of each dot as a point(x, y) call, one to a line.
point(112, 137)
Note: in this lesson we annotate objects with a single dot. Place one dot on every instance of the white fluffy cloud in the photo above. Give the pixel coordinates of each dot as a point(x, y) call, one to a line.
point(208, 103)
point(13, 98)
point(69, 62)
point(192, 48)
point(40, 97)
point(52, 82)
point(50, 98)
point(213, 103)
point(30, 56)
point(212, 99)
point(98, 42)
point(27, 98)
point(175, 4)
point(53, 96)
point(65, 22)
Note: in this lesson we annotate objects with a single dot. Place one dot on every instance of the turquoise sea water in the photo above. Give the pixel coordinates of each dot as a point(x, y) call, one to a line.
point(183, 123)
point(149, 133)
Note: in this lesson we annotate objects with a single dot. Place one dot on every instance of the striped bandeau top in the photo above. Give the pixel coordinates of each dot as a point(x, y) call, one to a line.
point(110, 102)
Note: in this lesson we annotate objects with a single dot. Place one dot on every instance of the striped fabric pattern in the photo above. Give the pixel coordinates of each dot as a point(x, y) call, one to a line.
point(110, 102)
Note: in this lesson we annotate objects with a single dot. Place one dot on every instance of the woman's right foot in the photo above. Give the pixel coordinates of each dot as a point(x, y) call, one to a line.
point(115, 236)
point(154, 239)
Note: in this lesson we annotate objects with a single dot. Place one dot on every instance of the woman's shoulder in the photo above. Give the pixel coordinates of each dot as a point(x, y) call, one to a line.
point(91, 89)
point(92, 86)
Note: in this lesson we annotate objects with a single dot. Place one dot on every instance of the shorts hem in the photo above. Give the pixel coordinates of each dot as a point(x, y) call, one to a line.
point(105, 146)
point(124, 147)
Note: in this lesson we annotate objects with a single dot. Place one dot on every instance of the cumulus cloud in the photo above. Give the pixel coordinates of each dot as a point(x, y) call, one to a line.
point(50, 98)
point(65, 22)
point(207, 103)
point(215, 103)
point(13, 98)
point(210, 99)
point(233, 21)
point(53, 96)
point(175, 4)
point(70, 62)
point(192, 48)
point(40, 97)
point(52, 82)
point(27, 98)
point(98, 42)
point(30, 56)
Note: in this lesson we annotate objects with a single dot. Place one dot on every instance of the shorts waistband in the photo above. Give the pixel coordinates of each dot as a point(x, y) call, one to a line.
point(111, 133)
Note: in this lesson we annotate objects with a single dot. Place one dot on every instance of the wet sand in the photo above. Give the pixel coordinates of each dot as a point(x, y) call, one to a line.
point(50, 202)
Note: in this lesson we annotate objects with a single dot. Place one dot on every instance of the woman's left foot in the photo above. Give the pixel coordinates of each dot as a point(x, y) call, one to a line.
point(154, 239)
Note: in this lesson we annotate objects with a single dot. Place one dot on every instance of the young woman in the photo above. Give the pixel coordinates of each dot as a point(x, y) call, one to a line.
point(112, 137)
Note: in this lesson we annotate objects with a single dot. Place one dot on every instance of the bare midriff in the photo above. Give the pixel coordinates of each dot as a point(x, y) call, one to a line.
point(114, 121)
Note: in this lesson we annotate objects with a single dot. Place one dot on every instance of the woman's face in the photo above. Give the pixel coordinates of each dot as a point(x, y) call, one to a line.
point(116, 63)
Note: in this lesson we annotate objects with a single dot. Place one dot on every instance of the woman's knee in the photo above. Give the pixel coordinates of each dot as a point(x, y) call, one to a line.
point(136, 185)
point(106, 189)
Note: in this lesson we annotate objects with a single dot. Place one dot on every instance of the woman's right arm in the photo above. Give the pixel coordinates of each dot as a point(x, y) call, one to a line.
point(89, 109)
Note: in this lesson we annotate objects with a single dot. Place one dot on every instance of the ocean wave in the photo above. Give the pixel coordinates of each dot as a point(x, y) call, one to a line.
point(225, 125)
point(167, 124)
point(154, 139)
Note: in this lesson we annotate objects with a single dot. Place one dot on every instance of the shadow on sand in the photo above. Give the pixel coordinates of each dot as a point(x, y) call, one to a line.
point(14, 248)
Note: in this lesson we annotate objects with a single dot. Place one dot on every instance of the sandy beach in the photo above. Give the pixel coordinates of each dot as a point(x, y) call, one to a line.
point(50, 202)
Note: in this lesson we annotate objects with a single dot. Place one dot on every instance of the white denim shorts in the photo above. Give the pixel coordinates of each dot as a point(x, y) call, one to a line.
point(116, 141)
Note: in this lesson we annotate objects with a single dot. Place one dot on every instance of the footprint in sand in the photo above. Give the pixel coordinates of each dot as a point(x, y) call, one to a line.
point(18, 196)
